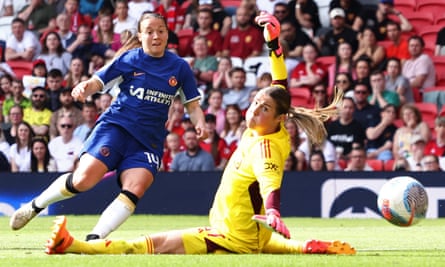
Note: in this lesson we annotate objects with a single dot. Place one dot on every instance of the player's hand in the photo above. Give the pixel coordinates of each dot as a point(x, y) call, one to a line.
point(201, 133)
point(271, 26)
point(78, 92)
point(273, 222)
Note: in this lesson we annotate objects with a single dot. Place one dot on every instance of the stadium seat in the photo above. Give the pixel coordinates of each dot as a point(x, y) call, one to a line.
point(428, 7)
point(375, 164)
point(419, 20)
point(440, 21)
point(405, 6)
point(185, 37)
point(429, 112)
point(300, 96)
point(230, 3)
point(20, 67)
point(326, 61)
point(429, 34)
point(389, 165)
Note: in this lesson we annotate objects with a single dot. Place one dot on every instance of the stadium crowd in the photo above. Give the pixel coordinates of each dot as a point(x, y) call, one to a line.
point(380, 55)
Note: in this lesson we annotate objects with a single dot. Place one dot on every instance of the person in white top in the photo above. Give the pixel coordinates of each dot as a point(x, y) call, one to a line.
point(6, 8)
point(22, 44)
point(65, 148)
point(20, 152)
point(137, 7)
point(123, 21)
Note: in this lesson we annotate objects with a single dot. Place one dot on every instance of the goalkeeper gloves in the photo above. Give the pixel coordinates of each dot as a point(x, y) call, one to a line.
point(273, 222)
point(271, 31)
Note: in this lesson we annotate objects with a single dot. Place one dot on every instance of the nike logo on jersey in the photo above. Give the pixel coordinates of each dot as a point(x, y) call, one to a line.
point(138, 73)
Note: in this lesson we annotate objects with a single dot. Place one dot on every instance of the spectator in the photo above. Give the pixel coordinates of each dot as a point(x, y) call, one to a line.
point(369, 47)
point(245, 40)
point(21, 44)
point(280, 10)
point(362, 69)
point(396, 82)
point(214, 37)
point(357, 160)
point(306, 13)
point(380, 96)
point(238, 93)
point(401, 164)
point(399, 45)
point(65, 148)
point(76, 18)
point(437, 146)
point(193, 158)
point(233, 128)
point(294, 39)
point(15, 117)
point(5, 89)
point(344, 83)
point(104, 33)
point(365, 113)
point(54, 54)
point(214, 144)
point(222, 21)
point(440, 43)
point(380, 135)
point(326, 148)
point(16, 98)
point(294, 135)
point(215, 97)
point(317, 162)
point(419, 68)
point(20, 151)
point(412, 125)
point(176, 114)
point(67, 36)
point(7, 8)
point(319, 96)
point(417, 147)
point(123, 21)
point(171, 11)
point(75, 74)
point(291, 163)
point(84, 46)
point(379, 18)
point(173, 147)
point(38, 116)
point(89, 115)
point(68, 109)
point(203, 64)
point(343, 64)
point(328, 44)
point(352, 9)
point(41, 160)
point(39, 70)
point(137, 7)
point(4, 153)
point(263, 81)
point(39, 16)
point(346, 132)
point(105, 101)
point(308, 72)
point(430, 163)
point(54, 81)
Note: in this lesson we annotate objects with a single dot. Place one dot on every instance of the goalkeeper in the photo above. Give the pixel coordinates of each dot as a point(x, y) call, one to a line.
point(245, 216)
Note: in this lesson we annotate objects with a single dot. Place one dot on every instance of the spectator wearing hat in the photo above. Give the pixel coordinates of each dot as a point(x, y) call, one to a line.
point(378, 19)
point(352, 9)
point(417, 147)
point(22, 44)
point(214, 144)
point(339, 33)
point(39, 68)
point(38, 116)
point(193, 158)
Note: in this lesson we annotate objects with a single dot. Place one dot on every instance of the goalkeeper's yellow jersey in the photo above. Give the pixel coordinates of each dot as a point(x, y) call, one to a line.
point(253, 172)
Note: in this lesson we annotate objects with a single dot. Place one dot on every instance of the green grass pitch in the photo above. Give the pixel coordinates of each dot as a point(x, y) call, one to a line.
point(378, 243)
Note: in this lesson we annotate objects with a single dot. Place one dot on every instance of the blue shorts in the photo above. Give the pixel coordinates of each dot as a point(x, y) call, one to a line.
point(119, 150)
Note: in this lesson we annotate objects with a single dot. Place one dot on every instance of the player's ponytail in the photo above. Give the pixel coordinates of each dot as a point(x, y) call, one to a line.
point(311, 120)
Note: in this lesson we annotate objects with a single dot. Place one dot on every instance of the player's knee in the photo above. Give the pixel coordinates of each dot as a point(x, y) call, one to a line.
point(132, 197)
point(69, 184)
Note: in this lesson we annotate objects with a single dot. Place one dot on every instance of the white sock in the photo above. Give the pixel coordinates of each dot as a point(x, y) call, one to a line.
point(55, 192)
point(114, 215)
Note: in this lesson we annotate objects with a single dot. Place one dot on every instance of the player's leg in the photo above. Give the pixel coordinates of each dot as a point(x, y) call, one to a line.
point(89, 172)
point(135, 182)
point(61, 241)
point(279, 245)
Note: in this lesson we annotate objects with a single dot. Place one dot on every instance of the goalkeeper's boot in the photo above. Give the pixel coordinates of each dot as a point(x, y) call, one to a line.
point(327, 247)
point(23, 215)
point(60, 238)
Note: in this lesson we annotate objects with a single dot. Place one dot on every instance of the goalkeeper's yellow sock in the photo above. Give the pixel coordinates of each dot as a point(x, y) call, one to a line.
point(142, 245)
point(280, 245)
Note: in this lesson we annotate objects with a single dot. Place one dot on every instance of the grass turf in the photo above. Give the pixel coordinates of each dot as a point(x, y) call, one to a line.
point(378, 243)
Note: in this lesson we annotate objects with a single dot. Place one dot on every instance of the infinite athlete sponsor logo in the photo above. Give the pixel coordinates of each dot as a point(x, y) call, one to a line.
point(151, 95)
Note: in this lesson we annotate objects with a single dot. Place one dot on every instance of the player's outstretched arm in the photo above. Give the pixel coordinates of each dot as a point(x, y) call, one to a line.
point(271, 34)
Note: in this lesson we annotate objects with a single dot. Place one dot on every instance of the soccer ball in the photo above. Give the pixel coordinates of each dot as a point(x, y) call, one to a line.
point(403, 201)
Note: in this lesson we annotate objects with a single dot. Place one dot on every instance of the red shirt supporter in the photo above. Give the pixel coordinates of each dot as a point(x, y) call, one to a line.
point(222, 152)
point(241, 43)
point(399, 51)
point(172, 14)
point(432, 148)
point(214, 41)
point(300, 70)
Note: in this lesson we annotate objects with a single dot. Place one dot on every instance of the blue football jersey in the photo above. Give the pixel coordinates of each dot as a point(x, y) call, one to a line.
point(147, 88)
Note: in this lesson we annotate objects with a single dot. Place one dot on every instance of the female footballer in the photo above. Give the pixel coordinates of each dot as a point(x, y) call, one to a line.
point(129, 136)
point(246, 208)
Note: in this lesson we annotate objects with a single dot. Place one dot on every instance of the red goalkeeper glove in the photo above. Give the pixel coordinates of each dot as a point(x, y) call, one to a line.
point(273, 222)
point(271, 31)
